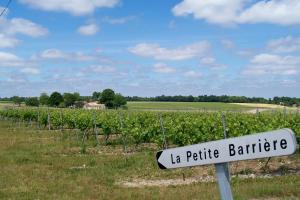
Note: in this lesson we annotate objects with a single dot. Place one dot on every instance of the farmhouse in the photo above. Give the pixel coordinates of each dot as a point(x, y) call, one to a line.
point(93, 106)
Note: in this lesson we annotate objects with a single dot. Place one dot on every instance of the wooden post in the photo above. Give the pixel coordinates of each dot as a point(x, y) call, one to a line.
point(95, 128)
point(38, 118)
point(49, 122)
point(122, 134)
point(61, 120)
point(165, 145)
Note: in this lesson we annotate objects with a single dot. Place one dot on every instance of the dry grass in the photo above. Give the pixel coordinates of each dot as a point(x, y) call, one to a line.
point(263, 105)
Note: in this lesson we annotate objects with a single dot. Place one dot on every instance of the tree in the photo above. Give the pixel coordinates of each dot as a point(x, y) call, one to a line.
point(77, 96)
point(69, 99)
point(44, 98)
point(55, 99)
point(96, 96)
point(107, 98)
point(17, 100)
point(119, 101)
point(32, 101)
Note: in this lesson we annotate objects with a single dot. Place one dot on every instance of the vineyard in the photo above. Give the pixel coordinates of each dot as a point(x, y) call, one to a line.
point(91, 154)
point(164, 128)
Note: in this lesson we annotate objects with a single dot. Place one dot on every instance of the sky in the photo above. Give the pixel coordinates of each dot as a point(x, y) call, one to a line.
point(150, 48)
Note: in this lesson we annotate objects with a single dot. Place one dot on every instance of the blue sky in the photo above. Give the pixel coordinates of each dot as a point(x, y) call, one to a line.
point(149, 48)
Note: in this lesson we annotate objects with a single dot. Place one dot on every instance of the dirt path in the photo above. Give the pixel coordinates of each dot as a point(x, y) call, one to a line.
point(140, 183)
point(253, 111)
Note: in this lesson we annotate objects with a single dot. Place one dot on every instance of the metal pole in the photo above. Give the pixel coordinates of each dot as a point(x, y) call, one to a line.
point(224, 185)
point(222, 172)
point(225, 137)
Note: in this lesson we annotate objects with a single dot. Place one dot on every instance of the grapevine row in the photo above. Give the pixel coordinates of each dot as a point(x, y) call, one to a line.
point(181, 128)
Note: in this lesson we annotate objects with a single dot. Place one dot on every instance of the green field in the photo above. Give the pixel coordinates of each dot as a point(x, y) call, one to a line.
point(40, 164)
point(186, 106)
point(175, 106)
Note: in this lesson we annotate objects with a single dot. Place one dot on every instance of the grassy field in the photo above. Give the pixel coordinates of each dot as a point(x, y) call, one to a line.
point(186, 106)
point(191, 106)
point(40, 164)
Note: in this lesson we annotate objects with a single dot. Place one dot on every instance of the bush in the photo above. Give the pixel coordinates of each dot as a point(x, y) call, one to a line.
point(62, 105)
point(79, 104)
point(32, 101)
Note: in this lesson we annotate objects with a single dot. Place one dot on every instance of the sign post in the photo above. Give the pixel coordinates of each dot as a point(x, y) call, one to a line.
point(223, 181)
point(222, 172)
point(268, 144)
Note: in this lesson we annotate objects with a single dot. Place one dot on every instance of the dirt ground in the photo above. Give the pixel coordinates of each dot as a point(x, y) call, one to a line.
point(261, 168)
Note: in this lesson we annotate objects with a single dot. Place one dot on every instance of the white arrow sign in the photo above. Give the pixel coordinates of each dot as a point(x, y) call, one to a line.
point(268, 144)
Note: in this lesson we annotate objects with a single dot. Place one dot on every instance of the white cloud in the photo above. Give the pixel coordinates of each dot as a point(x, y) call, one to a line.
point(245, 52)
point(74, 7)
point(160, 53)
point(228, 12)
point(10, 60)
point(56, 54)
point(22, 26)
point(275, 59)
point(273, 65)
point(163, 68)
point(284, 45)
point(121, 20)
point(89, 29)
point(192, 74)
point(284, 12)
point(208, 61)
point(213, 11)
point(9, 28)
point(289, 83)
point(7, 41)
point(228, 44)
point(211, 62)
point(99, 69)
point(29, 70)
point(53, 54)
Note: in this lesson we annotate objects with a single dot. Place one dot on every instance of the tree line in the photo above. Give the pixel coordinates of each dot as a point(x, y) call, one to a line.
point(115, 100)
point(287, 101)
point(65, 100)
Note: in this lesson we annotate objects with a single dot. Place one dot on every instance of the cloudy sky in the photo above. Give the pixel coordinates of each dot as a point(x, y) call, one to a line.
point(148, 48)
